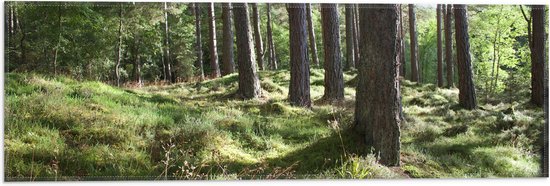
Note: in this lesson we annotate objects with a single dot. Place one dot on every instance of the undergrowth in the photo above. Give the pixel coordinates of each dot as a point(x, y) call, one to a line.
point(57, 128)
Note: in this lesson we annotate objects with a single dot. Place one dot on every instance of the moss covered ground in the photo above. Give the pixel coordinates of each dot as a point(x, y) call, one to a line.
point(57, 128)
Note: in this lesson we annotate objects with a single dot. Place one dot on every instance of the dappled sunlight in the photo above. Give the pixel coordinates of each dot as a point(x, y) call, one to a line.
point(231, 138)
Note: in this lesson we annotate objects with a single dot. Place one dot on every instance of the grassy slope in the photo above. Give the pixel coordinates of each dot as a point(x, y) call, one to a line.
point(57, 128)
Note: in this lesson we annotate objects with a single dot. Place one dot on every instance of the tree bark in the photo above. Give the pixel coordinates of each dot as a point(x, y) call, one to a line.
point(350, 45)
point(258, 36)
point(311, 32)
point(137, 61)
point(198, 42)
point(449, 46)
point(439, 48)
point(249, 83)
point(8, 34)
point(299, 94)
point(271, 46)
point(213, 49)
point(228, 65)
point(537, 54)
point(402, 71)
point(163, 61)
point(378, 103)
point(356, 33)
point(23, 55)
point(334, 80)
point(119, 47)
point(9, 19)
point(414, 44)
point(167, 59)
point(58, 45)
point(467, 93)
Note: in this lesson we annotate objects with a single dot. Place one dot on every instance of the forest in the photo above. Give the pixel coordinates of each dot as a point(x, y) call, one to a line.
point(232, 91)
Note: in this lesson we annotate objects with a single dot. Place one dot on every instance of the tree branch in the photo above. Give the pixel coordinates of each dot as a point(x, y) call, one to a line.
point(524, 15)
point(528, 26)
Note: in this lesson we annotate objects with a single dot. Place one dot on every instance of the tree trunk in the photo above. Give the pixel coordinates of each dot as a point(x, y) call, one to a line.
point(270, 44)
point(9, 19)
point(299, 64)
point(467, 93)
point(356, 33)
point(496, 58)
point(311, 32)
point(249, 83)
point(8, 34)
point(228, 65)
point(23, 57)
point(58, 45)
point(119, 47)
point(137, 62)
point(198, 42)
point(414, 44)
point(334, 80)
point(163, 61)
point(402, 71)
point(449, 46)
point(350, 45)
point(213, 50)
point(537, 54)
point(378, 103)
point(439, 48)
point(495, 83)
point(258, 36)
point(167, 59)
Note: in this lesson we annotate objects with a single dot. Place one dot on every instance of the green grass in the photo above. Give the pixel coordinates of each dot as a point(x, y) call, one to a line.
point(57, 128)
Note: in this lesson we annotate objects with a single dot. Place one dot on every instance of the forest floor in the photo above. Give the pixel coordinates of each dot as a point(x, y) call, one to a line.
point(57, 128)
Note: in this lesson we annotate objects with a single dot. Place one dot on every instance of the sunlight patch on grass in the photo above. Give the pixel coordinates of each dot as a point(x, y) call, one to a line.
point(91, 128)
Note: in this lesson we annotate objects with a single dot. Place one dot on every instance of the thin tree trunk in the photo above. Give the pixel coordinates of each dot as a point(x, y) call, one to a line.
point(8, 34)
point(537, 54)
point(198, 42)
point(58, 45)
point(350, 45)
point(167, 59)
point(449, 46)
point(356, 33)
point(249, 83)
point(414, 44)
point(228, 65)
point(270, 44)
point(299, 94)
point(119, 47)
point(496, 57)
point(402, 43)
point(529, 25)
point(137, 61)
point(213, 50)
point(9, 19)
point(439, 48)
point(378, 103)
point(163, 69)
point(495, 83)
point(258, 36)
point(334, 80)
point(311, 32)
point(23, 57)
point(467, 93)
